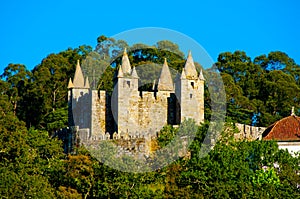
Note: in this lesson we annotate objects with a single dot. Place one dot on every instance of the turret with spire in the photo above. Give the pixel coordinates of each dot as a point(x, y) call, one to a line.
point(165, 82)
point(86, 83)
point(201, 77)
point(70, 84)
point(183, 76)
point(79, 91)
point(189, 68)
point(126, 96)
point(120, 72)
point(126, 67)
point(134, 73)
point(126, 73)
point(189, 91)
point(78, 80)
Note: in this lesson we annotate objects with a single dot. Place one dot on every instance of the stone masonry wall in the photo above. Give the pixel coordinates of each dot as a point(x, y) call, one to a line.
point(248, 132)
point(191, 99)
point(153, 110)
point(126, 111)
point(98, 114)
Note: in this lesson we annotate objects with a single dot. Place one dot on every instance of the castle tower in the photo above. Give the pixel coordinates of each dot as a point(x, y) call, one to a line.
point(79, 113)
point(127, 97)
point(84, 106)
point(166, 98)
point(189, 91)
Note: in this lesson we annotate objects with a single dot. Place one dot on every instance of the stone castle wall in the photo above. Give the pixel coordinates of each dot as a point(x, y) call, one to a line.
point(92, 110)
point(150, 111)
point(131, 111)
point(98, 116)
point(248, 132)
point(153, 110)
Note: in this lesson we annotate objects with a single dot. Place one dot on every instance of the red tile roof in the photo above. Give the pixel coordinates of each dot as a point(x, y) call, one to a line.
point(286, 129)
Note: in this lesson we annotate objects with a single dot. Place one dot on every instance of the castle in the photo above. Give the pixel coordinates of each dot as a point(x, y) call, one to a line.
point(128, 112)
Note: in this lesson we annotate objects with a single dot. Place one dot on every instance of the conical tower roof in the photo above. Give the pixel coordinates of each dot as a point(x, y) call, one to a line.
point(183, 76)
point(120, 72)
point(78, 77)
point(165, 82)
point(189, 68)
point(87, 83)
point(126, 67)
point(201, 77)
point(70, 85)
point(134, 73)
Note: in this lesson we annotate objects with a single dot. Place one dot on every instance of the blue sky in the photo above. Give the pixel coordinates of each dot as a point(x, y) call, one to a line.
point(30, 30)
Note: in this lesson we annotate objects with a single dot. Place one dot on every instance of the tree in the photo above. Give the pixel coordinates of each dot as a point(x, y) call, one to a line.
point(109, 48)
point(169, 46)
point(79, 174)
point(29, 160)
point(262, 91)
point(17, 77)
point(279, 94)
point(275, 61)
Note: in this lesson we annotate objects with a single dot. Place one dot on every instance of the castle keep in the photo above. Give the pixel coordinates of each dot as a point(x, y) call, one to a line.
point(129, 112)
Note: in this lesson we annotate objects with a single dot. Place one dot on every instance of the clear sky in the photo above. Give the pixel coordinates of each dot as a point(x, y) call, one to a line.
point(30, 30)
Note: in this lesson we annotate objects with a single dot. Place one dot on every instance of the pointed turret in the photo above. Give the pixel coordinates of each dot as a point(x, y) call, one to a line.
point(78, 77)
point(87, 83)
point(126, 68)
point(70, 85)
point(201, 77)
point(189, 68)
point(183, 76)
point(120, 72)
point(134, 73)
point(165, 81)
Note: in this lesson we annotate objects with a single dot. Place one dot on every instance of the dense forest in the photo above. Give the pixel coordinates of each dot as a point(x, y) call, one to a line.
point(33, 104)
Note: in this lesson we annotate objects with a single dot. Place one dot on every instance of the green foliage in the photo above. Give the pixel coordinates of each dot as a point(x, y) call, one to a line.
point(106, 80)
point(263, 177)
point(93, 67)
point(16, 78)
point(57, 119)
point(167, 133)
point(234, 170)
point(169, 46)
point(29, 160)
point(266, 88)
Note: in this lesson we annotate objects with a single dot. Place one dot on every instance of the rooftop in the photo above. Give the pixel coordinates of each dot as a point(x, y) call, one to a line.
point(286, 129)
